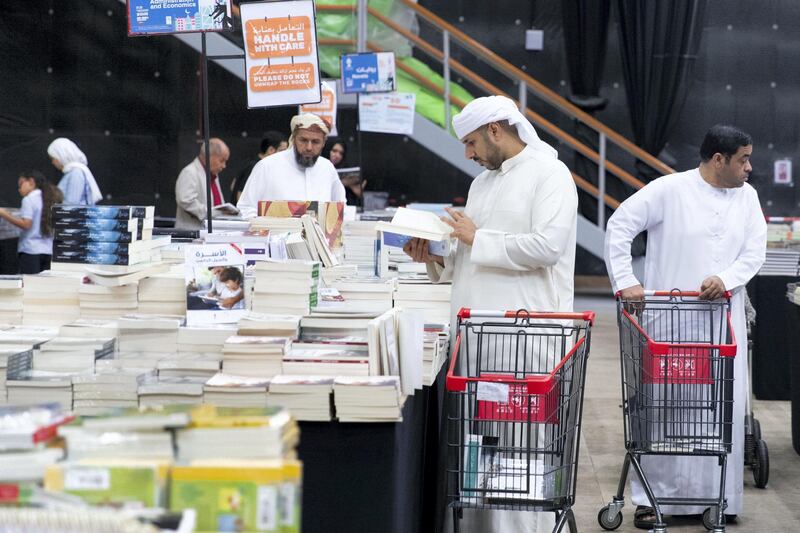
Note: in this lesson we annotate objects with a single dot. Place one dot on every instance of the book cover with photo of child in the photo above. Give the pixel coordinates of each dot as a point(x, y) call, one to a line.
point(214, 276)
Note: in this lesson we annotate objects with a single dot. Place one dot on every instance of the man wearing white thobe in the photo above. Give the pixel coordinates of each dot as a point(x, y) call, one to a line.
point(516, 241)
point(706, 232)
point(296, 174)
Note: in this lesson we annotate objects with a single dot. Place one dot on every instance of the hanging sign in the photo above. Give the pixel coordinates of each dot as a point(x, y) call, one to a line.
point(387, 113)
point(281, 53)
point(149, 17)
point(783, 172)
point(368, 73)
point(326, 109)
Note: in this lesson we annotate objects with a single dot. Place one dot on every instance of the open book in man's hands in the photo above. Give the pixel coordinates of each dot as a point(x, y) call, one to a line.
point(416, 223)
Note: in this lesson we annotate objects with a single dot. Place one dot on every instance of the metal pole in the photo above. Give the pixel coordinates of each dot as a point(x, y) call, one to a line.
point(523, 96)
point(361, 37)
point(206, 122)
point(446, 75)
point(601, 183)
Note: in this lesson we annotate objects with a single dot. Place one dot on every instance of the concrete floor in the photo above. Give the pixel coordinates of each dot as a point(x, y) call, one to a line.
point(776, 508)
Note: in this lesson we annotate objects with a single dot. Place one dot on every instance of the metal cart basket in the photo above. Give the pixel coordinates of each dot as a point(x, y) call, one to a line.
point(677, 389)
point(515, 396)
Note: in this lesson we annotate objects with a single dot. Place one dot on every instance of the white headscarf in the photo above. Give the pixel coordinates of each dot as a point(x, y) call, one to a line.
point(487, 109)
point(70, 156)
point(304, 121)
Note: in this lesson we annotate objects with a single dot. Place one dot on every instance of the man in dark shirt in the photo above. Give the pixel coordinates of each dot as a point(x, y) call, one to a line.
point(273, 142)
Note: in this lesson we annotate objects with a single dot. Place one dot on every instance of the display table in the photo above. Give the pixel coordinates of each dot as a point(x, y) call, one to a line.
point(772, 347)
point(389, 478)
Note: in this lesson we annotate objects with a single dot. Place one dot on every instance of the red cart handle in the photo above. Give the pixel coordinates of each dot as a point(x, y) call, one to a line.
point(676, 293)
point(586, 316)
point(537, 384)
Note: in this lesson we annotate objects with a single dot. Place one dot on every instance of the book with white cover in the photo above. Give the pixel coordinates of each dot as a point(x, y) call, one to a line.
point(233, 384)
point(416, 223)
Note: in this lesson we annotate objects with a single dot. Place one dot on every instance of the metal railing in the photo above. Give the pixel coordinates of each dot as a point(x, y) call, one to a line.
point(524, 82)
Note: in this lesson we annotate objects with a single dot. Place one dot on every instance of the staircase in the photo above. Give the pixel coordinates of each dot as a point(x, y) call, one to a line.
point(433, 137)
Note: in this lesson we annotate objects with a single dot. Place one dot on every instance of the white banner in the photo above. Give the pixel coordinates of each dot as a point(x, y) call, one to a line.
point(387, 113)
point(281, 53)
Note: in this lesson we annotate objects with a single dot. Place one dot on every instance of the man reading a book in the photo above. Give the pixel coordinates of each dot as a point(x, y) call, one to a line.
point(516, 238)
point(297, 174)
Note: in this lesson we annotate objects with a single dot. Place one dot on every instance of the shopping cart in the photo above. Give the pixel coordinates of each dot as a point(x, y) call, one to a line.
point(515, 396)
point(677, 391)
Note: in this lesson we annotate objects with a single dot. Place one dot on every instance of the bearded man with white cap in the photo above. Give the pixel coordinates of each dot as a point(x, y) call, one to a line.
point(516, 240)
point(297, 174)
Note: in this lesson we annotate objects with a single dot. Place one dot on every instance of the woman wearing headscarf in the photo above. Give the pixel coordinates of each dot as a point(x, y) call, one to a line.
point(77, 183)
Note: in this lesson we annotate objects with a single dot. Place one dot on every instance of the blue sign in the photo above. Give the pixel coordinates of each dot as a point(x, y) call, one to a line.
point(368, 73)
point(178, 16)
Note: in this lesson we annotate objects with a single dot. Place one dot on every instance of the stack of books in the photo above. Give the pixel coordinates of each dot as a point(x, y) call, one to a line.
point(134, 433)
point(155, 334)
point(105, 235)
point(26, 436)
point(195, 365)
point(8, 351)
point(207, 339)
point(307, 397)
point(368, 399)
point(214, 432)
point(285, 287)
point(73, 354)
point(11, 299)
point(267, 325)
point(366, 294)
point(171, 391)
point(164, 293)
point(781, 262)
point(226, 390)
point(97, 301)
point(328, 358)
point(29, 387)
point(435, 351)
point(331, 274)
point(433, 299)
point(359, 238)
point(339, 328)
point(276, 225)
point(51, 298)
point(88, 327)
point(95, 394)
point(246, 355)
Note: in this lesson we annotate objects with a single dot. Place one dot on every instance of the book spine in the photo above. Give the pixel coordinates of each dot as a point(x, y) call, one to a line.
point(98, 258)
point(86, 236)
point(99, 224)
point(92, 247)
point(102, 211)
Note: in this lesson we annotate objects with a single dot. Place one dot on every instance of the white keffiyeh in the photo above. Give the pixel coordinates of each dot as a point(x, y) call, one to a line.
point(485, 110)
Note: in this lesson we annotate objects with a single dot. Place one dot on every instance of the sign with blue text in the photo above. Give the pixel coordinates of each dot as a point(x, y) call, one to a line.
point(368, 73)
point(149, 17)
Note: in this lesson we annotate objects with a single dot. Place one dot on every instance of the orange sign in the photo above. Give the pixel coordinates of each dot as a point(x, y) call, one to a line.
point(325, 107)
point(281, 77)
point(278, 37)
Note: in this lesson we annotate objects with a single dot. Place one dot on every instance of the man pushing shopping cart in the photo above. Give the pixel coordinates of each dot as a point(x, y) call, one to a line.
point(706, 233)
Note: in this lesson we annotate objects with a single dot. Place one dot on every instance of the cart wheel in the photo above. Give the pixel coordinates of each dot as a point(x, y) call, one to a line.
point(607, 523)
point(710, 518)
point(756, 429)
point(761, 465)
